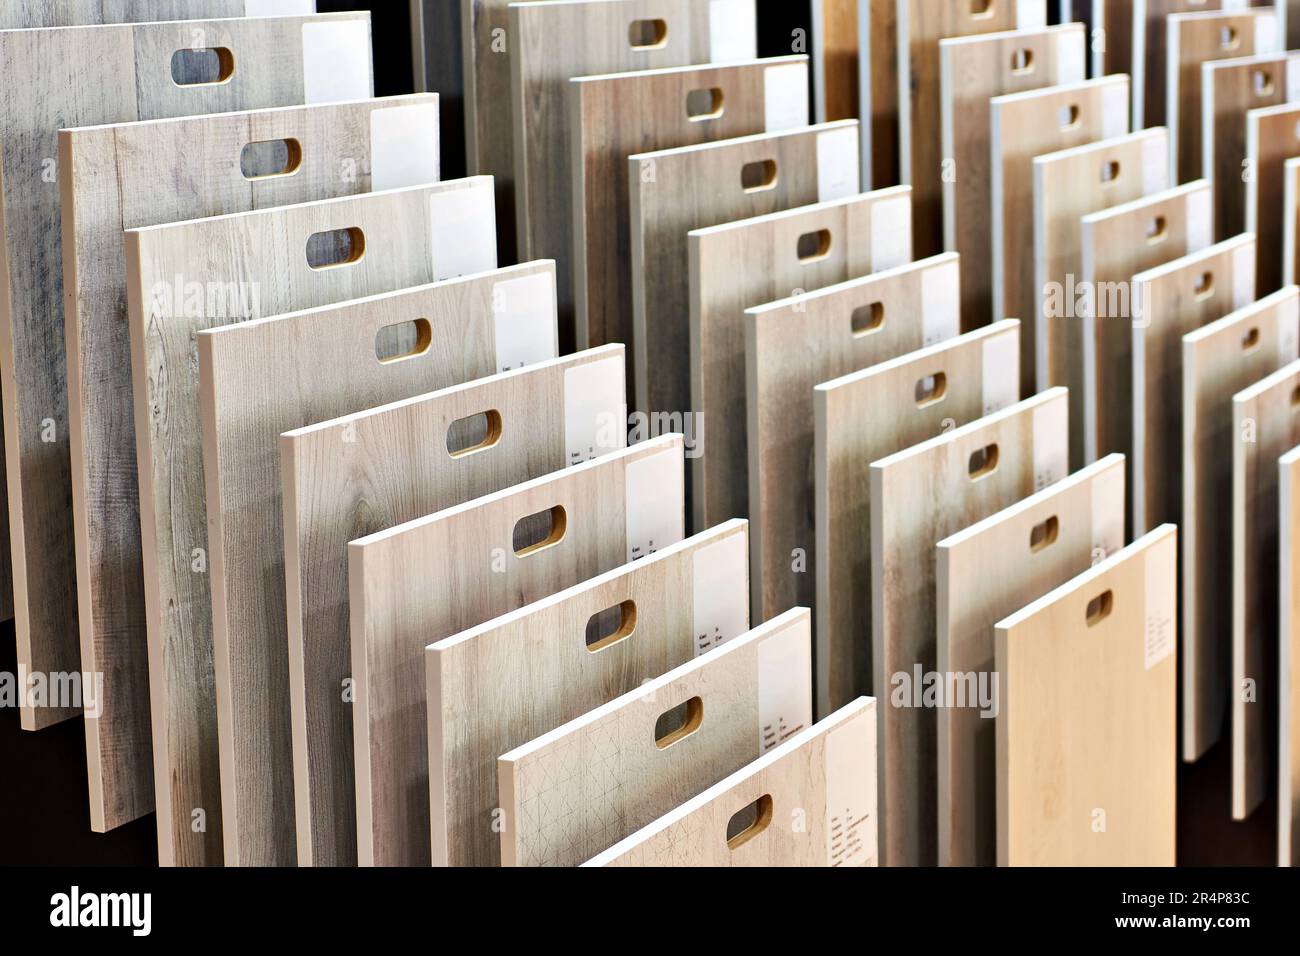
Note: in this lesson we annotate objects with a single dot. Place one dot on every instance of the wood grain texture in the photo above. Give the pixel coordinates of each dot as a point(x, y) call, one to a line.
point(1040, 543)
point(584, 786)
point(674, 191)
point(792, 346)
point(850, 434)
point(878, 90)
point(80, 76)
point(616, 116)
point(1081, 669)
point(972, 71)
point(835, 60)
point(1116, 22)
point(509, 681)
point(825, 777)
point(1026, 125)
point(202, 274)
point(1272, 137)
point(261, 379)
point(431, 579)
point(1220, 360)
point(918, 498)
point(921, 25)
point(1291, 222)
point(1170, 301)
point(1231, 88)
point(1266, 411)
point(369, 472)
point(1196, 39)
point(1067, 186)
point(1289, 685)
point(753, 261)
point(121, 177)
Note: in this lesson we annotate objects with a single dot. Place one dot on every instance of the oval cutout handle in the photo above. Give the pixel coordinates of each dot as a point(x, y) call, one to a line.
point(611, 626)
point(1045, 535)
point(540, 532)
point(405, 340)
point(1022, 62)
point(1157, 230)
point(749, 822)
point(203, 66)
point(1262, 82)
point(1204, 286)
point(1110, 173)
point(648, 34)
point(335, 249)
point(931, 390)
point(1100, 608)
point(1069, 117)
point(473, 434)
point(682, 721)
point(705, 104)
point(983, 462)
point(867, 319)
point(270, 159)
point(1250, 341)
point(814, 246)
point(759, 177)
point(981, 9)
point(1229, 38)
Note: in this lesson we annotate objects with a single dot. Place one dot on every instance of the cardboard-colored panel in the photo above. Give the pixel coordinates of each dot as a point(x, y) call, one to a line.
point(878, 89)
point(835, 60)
point(1272, 138)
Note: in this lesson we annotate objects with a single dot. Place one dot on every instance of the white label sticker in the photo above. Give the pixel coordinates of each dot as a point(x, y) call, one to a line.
point(1288, 331)
point(1001, 370)
point(524, 313)
point(1293, 79)
point(1161, 598)
point(1031, 14)
point(464, 231)
point(850, 795)
point(1200, 220)
point(1243, 276)
point(941, 303)
point(403, 146)
point(1266, 33)
point(891, 233)
point(594, 416)
point(720, 591)
point(1114, 109)
point(785, 97)
point(1155, 163)
point(784, 685)
point(1051, 444)
point(837, 164)
point(279, 8)
point(655, 503)
point(1107, 513)
point(733, 31)
point(1070, 57)
point(336, 63)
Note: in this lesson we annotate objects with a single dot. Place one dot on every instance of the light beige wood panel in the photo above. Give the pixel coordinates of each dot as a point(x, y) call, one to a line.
point(129, 175)
point(616, 116)
point(972, 70)
point(1119, 243)
point(792, 346)
point(1087, 735)
point(79, 76)
point(1269, 413)
point(185, 277)
point(746, 263)
point(260, 379)
point(1040, 544)
point(919, 497)
point(1289, 685)
point(1196, 39)
point(1025, 125)
point(1067, 186)
point(1230, 89)
point(878, 91)
point(1170, 301)
point(554, 42)
point(509, 681)
point(1272, 137)
point(594, 781)
point(433, 578)
point(1219, 360)
point(372, 471)
point(921, 25)
point(1290, 222)
point(835, 60)
point(676, 190)
point(825, 778)
point(979, 373)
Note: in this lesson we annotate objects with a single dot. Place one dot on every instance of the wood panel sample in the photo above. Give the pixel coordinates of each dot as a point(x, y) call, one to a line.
point(980, 374)
point(125, 176)
point(1026, 125)
point(1268, 413)
point(878, 92)
point(612, 120)
point(1082, 669)
point(918, 498)
point(824, 777)
point(509, 681)
point(554, 42)
point(261, 379)
point(1040, 543)
point(746, 263)
point(1288, 831)
point(1291, 222)
point(422, 582)
point(792, 346)
point(438, 56)
point(231, 269)
point(1231, 89)
point(1196, 39)
point(1170, 301)
point(1272, 137)
point(673, 191)
point(80, 76)
point(584, 786)
point(921, 25)
point(973, 70)
point(835, 60)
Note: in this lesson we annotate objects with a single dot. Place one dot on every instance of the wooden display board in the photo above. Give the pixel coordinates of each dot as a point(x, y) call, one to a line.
point(1289, 651)
point(1272, 138)
point(1291, 222)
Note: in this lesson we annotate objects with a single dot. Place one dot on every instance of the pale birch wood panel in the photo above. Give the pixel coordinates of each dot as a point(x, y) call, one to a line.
point(919, 497)
point(1272, 138)
point(980, 373)
point(433, 578)
point(1087, 737)
point(1288, 651)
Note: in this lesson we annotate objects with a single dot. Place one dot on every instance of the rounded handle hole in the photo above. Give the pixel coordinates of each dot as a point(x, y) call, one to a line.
point(1157, 230)
point(539, 532)
point(758, 177)
point(868, 319)
point(1295, 398)
point(270, 159)
point(1100, 608)
point(1204, 287)
point(1044, 535)
point(981, 9)
point(1229, 38)
point(1069, 116)
point(648, 34)
point(611, 626)
point(1250, 341)
point(931, 390)
point(707, 104)
point(750, 822)
point(674, 726)
point(473, 434)
point(1110, 173)
point(1022, 62)
point(335, 249)
point(1263, 83)
point(814, 246)
point(983, 463)
point(404, 340)
point(206, 66)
